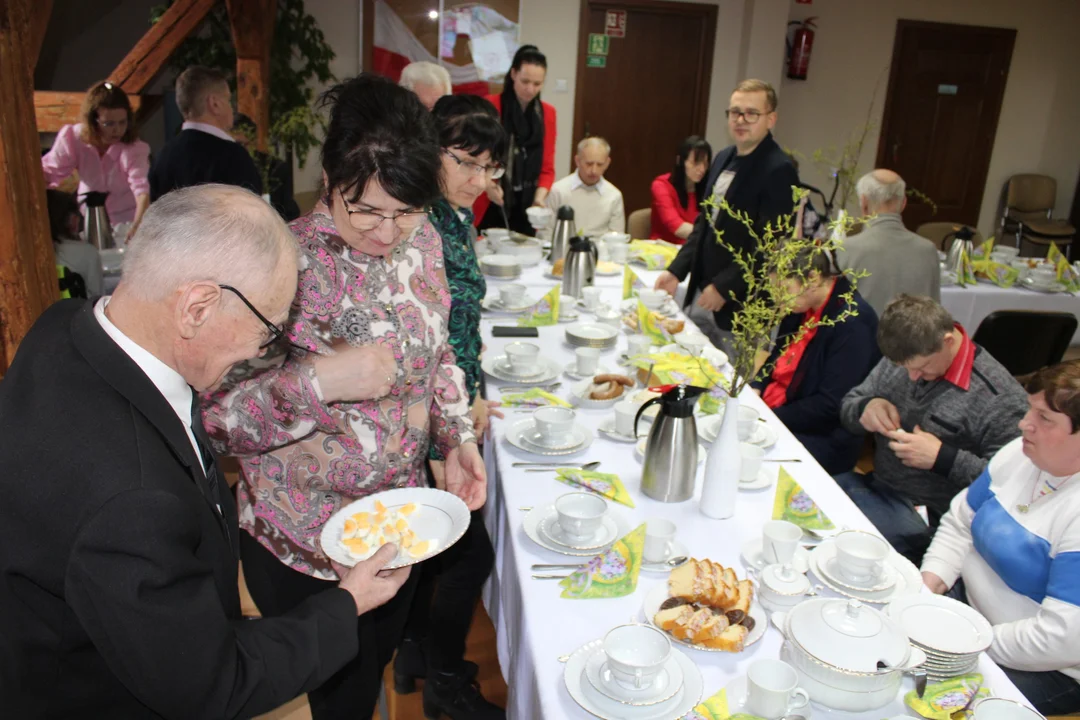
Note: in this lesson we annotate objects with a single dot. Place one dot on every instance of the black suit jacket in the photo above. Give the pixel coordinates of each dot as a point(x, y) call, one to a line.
point(762, 188)
point(195, 157)
point(118, 576)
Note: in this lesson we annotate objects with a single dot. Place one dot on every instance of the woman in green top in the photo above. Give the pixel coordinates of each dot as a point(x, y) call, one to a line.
point(472, 143)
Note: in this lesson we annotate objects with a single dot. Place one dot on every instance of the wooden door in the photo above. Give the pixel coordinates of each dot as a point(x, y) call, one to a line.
point(941, 115)
point(653, 91)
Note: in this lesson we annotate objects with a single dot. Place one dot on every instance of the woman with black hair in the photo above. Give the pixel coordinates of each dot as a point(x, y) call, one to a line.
point(361, 382)
point(809, 378)
point(675, 195)
point(473, 146)
point(530, 125)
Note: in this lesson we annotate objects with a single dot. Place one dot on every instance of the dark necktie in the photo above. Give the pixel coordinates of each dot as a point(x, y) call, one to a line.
point(206, 455)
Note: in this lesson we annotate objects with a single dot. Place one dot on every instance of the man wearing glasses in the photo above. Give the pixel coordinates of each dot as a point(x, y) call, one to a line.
point(755, 176)
point(118, 536)
point(598, 205)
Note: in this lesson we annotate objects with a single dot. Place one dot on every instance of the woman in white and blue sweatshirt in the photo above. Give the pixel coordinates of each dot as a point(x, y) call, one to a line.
point(1013, 537)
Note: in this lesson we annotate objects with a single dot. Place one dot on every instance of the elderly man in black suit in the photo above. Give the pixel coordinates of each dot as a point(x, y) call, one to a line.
point(118, 537)
point(755, 176)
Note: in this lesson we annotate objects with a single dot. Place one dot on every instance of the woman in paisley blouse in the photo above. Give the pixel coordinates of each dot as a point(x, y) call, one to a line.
point(473, 144)
point(368, 379)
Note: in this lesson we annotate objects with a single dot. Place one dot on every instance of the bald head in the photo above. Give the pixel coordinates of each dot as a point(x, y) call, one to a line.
point(881, 191)
point(592, 159)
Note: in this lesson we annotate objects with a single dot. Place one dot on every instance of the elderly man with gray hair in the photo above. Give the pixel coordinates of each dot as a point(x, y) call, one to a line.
point(898, 260)
point(118, 535)
point(597, 204)
point(428, 80)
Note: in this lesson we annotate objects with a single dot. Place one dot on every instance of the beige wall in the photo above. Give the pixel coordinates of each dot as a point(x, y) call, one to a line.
point(1037, 129)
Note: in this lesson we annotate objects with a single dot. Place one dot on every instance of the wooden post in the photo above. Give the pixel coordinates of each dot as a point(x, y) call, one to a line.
point(252, 23)
point(151, 52)
point(39, 23)
point(28, 281)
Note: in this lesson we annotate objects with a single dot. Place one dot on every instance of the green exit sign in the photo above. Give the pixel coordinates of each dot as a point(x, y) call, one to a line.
point(598, 44)
point(596, 61)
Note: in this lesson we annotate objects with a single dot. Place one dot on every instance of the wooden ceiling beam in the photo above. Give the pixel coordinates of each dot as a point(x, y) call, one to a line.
point(54, 109)
point(252, 23)
point(151, 53)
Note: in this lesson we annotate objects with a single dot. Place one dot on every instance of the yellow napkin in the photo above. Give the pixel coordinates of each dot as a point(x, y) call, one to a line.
point(715, 707)
point(613, 573)
point(794, 505)
point(672, 368)
point(607, 484)
point(983, 251)
point(545, 312)
point(630, 282)
point(656, 254)
point(966, 274)
point(650, 326)
point(943, 700)
point(1000, 274)
point(533, 397)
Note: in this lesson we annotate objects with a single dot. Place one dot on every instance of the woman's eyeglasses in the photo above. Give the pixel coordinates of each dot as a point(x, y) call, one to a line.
point(493, 172)
point(367, 220)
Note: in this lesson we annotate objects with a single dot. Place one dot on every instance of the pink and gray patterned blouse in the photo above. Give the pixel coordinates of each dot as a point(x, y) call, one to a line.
point(302, 459)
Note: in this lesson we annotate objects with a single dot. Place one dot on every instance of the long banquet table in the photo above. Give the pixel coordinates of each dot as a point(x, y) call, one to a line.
point(970, 305)
point(534, 626)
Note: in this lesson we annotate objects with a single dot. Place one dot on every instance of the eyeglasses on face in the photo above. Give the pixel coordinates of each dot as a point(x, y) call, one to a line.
point(367, 220)
point(748, 116)
point(109, 124)
point(493, 172)
point(275, 333)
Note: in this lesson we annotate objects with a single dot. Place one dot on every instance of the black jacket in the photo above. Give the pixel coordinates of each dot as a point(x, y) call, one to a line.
point(838, 358)
point(118, 577)
point(762, 188)
point(195, 157)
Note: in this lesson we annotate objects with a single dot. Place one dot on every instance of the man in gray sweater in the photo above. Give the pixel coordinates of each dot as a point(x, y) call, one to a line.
point(898, 260)
point(940, 406)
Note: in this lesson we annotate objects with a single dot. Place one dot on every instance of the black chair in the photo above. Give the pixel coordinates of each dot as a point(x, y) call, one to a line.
point(1026, 340)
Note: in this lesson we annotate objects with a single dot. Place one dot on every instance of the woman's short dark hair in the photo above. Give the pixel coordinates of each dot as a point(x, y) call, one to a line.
point(380, 131)
point(813, 259)
point(106, 96)
point(525, 55)
point(912, 326)
point(694, 147)
point(471, 123)
point(1060, 385)
point(61, 206)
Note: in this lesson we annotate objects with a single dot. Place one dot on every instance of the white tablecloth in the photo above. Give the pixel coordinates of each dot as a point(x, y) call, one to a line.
point(535, 626)
point(970, 305)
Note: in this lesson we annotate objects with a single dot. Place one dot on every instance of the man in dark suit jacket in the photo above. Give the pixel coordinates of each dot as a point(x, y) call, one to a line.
point(755, 176)
point(118, 538)
point(204, 151)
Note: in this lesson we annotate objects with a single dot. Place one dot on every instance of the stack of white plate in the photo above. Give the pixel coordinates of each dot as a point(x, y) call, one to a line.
point(500, 266)
point(951, 633)
point(592, 334)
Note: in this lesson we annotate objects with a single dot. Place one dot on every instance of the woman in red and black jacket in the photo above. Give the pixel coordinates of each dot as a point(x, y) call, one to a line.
point(530, 124)
point(675, 195)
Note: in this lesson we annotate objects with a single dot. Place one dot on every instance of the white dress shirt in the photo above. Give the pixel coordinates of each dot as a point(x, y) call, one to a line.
point(598, 208)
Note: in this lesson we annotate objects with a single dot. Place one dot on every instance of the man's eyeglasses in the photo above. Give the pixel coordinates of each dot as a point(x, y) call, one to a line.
point(493, 172)
point(749, 116)
point(366, 220)
point(276, 333)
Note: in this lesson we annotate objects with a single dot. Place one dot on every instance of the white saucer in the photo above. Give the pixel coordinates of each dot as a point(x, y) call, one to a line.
point(574, 315)
point(606, 534)
point(531, 525)
point(764, 479)
point(831, 567)
point(494, 366)
point(571, 371)
point(495, 304)
point(1048, 288)
point(502, 364)
point(752, 556)
point(735, 693)
point(763, 435)
point(640, 451)
point(664, 686)
point(535, 439)
point(583, 437)
point(677, 549)
point(607, 426)
point(656, 597)
point(909, 579)
point(603, 707)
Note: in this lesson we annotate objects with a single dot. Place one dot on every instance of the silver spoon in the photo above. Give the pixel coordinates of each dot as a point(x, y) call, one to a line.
point(673, 562)
point(587, 467)
point(548, 464)
point(781, 460)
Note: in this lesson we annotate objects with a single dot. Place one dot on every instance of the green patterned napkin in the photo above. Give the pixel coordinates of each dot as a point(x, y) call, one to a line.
point(1066, 273)
point(533, 397)
point(630, 282)
point(673, 368)
point(545, 312)
point(656, 254)
point(943, 700)
point(613, 573)
point(715, 707)
point(966, 274)
point(650, 326)
point(607, 484)
point(1000, 274)
point(794, 505)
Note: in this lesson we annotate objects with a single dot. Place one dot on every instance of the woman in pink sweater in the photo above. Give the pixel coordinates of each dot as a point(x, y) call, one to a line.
point(675, 195)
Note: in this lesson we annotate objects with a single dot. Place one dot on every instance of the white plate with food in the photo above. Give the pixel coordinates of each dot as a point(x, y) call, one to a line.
point(601, 391)
point(608, 269)
point(422, 522)
point(571, 371)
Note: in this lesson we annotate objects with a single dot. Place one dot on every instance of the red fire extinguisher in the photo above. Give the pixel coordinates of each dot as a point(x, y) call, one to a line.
point(799, 50)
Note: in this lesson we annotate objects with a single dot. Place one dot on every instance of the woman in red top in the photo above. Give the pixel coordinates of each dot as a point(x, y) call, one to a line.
point(675, 194)
point(530, 124)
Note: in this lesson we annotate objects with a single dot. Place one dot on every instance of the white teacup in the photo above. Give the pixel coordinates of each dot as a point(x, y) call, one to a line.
point(566, 306)
point(497, 237)
point(588, 360)
point(580, 514)
point(860, 555)
point(1007, 251)
point(539, 217)
point(1021, 266)
point(691, 342)
point(747, 422)
point(636, 654)
point(618, 253)
point(625, 412)
point(591, 297)
point(522, 356)
point(1043, 275)
point(615, 238)
point(772, 689)
point(555, 424)
point(659, 539)
point(752, 458)
point(638, 344)
point(609, 316)
point(779, 540)
point(511, 295)
point(652, 299)
point(998, 708)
